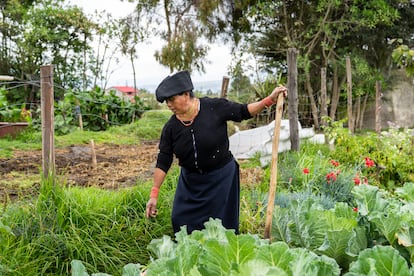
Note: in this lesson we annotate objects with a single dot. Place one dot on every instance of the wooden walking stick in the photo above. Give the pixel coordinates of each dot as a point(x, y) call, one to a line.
point(273, 171)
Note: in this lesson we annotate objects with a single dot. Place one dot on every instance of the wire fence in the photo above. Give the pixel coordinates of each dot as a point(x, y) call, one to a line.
point(306, 118)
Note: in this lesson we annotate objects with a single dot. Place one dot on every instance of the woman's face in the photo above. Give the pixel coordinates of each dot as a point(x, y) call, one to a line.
point(178, 104)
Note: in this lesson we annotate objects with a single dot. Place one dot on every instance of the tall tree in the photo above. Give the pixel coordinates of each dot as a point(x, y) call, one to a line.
point(314, 28)
point(57, 35)
point(133, 30)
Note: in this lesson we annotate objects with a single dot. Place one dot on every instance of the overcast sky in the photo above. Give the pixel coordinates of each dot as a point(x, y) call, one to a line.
point(148, 71)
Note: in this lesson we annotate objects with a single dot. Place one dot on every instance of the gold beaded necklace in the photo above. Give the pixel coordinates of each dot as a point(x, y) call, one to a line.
point(195, 106)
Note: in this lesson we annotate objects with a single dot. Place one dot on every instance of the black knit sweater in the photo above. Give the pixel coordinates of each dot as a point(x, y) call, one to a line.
point(204, 145)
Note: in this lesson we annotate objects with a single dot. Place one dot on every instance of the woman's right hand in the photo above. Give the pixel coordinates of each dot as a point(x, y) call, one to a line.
point(151, 208)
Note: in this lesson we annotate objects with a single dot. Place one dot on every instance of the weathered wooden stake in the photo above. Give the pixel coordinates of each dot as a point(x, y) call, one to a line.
point(292, 87)
point(79, 114)
point(224, 86)
point(93, 154)
point(47, 112)
point(349, 94)
point(273, 170)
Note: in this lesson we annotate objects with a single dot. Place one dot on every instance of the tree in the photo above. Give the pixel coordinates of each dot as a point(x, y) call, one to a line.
point(132, 32)
point(315, 28)
point(56, 35)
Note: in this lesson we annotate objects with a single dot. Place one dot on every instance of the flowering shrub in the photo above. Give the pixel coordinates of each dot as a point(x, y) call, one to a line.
point(389, 154)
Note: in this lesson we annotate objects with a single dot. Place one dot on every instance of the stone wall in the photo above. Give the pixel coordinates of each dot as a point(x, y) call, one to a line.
point(397, 104)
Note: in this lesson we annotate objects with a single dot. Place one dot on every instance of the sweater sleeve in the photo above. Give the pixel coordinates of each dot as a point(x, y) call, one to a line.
point(165, 154)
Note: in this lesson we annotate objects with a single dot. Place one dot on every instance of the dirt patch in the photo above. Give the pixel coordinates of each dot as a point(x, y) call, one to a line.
point(117, 166)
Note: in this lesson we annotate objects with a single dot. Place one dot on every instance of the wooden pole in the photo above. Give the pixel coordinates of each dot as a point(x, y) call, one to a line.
point(324, 105)
point(378, 95)
point(292, 62)
point(47, 100)
point(273, 175)
point(93, 154)
point(79, 114)
point(224, 87)
point(349, 94)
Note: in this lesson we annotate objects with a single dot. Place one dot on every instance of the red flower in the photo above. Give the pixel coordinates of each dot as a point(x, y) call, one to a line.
point(306, 170)
point(330, 177)
point(357, 180)
point(355, 209)
point(369, 163)
point(335, 163)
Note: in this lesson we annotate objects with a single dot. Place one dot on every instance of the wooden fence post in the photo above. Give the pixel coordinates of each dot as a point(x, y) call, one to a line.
point(292, 87)
point(349, 94)
point(224, 87)
point(47, 110)
point(79, 114)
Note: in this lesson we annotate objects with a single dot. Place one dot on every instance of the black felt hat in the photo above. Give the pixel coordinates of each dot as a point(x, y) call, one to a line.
point(174, 84)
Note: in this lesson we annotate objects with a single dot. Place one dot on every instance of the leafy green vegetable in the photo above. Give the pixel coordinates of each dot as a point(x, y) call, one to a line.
point(379, 260)
point(406, 192)
point(405, 237)
point(218, 251)
point(369, 199)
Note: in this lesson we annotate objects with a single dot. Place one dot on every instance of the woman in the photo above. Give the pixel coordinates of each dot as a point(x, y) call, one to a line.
point(209, 184)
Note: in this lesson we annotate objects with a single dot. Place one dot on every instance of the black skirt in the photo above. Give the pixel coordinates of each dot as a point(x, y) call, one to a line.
point(199, 197)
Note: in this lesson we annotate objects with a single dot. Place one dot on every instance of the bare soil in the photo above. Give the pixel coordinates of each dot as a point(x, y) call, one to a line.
point(117, 166)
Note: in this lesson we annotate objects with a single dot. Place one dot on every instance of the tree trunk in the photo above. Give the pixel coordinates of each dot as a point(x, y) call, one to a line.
point(324, 106)
point(363, 108)
point(314, 108)
point(131, 56)
point(357, 113)
point(335, 94)
point(293, 98)
point(349, 94)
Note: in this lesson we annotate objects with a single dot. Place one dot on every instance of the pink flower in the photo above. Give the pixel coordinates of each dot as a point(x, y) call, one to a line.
point(306, 170)
point(369, 163)
point(335, 163)
point(331, 177)
point(357, 180)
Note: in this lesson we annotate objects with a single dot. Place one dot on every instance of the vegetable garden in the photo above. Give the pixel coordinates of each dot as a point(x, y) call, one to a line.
point(341, 211)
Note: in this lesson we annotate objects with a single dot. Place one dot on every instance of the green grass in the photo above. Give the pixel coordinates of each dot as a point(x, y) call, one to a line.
point(148, 127)
point(104, 229)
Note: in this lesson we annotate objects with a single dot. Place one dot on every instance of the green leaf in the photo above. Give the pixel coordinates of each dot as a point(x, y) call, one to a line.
point(308, 263)
point(405, 237)
point(357, 242)
point(406, 192)
point(387, 224)
point(259, 268)
point(276, 254)
point(78, 269)
point(335, 246)
point(280, 225)
point(369, 199)
point(379, 260)
point(220, 258)
point(5, 229)
point(131, 270)
point(163, 248)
